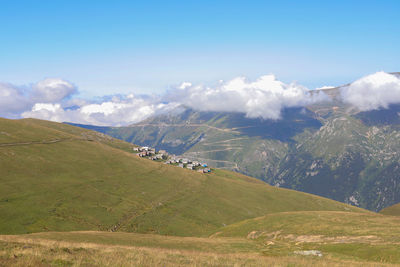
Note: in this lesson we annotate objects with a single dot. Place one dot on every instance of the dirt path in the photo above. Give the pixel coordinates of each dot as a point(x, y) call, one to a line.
point(186, 125)
point(215, 150)
point(32, 142)
point(218, 143)
point(43, 142)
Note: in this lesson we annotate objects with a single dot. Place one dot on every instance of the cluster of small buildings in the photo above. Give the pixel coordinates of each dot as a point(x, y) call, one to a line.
point(152, 154)
point(188, 164)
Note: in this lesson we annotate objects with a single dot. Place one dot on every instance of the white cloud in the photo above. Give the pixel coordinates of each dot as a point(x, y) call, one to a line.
point(184, 85)
point(265, 97)
point(117, 112)
point(105, 108)
point(374, 91)
point(52, 112)
point(48, 107)
point(325, 87)
point(52, 90)
point(14, 100)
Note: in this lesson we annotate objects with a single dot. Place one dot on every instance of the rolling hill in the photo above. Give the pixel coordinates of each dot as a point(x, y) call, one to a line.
point(364, 236)
point(69, 196)
point(57, 177)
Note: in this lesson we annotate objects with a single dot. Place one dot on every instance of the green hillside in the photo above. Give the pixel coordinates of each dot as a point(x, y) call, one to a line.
point(355, 236)
point(392, 210)
point(85, 185)
point(334, 238)
point(57, 177)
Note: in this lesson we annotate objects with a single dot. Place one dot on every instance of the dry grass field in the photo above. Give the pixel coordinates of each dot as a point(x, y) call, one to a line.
point(44, 250)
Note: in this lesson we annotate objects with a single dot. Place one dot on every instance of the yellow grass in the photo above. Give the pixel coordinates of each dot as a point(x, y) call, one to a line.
point(36, 251)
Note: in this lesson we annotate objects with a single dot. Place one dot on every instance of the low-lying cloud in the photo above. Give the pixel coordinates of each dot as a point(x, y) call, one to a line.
point(118, 111)
point(375, 91)
point(53, 99)
point(264, 98)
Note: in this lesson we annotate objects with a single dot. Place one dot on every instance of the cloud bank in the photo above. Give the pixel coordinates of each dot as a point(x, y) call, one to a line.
point(54, 99)
point(118, 111)
point(264, 98)
point(375, 91)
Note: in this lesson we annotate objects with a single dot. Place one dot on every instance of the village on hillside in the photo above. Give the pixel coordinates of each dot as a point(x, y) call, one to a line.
point(163, 156)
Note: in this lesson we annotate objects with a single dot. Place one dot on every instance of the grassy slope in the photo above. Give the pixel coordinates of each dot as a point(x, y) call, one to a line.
point(89, 182)
point(393, 210)
point(352, 236)
point(131, 249)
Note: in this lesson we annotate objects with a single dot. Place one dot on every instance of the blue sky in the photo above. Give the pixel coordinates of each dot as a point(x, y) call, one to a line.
point(110, 47)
